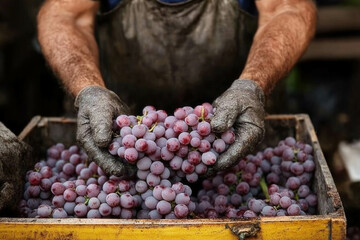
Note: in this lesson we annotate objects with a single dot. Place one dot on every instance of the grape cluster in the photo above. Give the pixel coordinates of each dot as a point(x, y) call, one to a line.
point(66, 185)
point(275, 182)
point(181, 144)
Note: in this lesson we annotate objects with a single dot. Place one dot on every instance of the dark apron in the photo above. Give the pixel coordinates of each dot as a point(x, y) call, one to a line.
point(172, 55)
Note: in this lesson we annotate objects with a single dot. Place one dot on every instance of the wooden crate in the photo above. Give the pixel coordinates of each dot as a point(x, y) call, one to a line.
point(329, 223)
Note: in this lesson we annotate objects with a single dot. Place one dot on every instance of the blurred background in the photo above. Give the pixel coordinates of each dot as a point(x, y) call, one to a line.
point(324, 84)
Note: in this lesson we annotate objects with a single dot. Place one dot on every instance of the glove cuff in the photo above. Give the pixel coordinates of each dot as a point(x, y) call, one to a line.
point(90, 91)
point(249, 85)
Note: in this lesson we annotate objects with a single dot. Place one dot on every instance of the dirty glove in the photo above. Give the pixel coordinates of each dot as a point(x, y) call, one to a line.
point(241, 106)
point(97, 108)
point(15, 156)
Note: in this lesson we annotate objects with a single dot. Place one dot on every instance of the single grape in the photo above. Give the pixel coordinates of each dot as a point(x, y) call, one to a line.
point(44, 211)
point(208, 158)
point(105, 210)
point(268, 211)
point(293, 210)
point(127, 201)
point(163, 207)
point(285, 202)
point(181, 211)
point(59, 213)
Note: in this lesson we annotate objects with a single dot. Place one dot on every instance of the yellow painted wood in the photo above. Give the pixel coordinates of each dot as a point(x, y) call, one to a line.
point(307, 227)
point(111, 229)
point(338, 228)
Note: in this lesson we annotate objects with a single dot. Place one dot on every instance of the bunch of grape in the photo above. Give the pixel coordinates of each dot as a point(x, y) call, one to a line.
point(161, 145)
point(169, 201)
point(274, 182)
point(65, 185)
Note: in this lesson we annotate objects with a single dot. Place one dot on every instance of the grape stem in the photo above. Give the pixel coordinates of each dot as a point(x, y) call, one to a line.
point(140, 118)
point(152, 127)
point(296, 195)
point(202, 118)
point(264, 188)
point(86, 200)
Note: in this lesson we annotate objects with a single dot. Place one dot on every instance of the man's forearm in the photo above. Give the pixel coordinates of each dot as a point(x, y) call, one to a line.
point(66, 37)
point(282, 37)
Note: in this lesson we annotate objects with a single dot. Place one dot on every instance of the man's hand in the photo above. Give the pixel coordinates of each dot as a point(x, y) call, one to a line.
point(15, 155)
point(97, 107)
point(242, 107)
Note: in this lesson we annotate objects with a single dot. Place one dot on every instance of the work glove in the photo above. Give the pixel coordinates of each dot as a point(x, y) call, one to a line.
point(15, 158)
point(97, 108)
point(242, 107)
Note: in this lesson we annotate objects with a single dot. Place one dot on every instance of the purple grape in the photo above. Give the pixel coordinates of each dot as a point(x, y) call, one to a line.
point(92, 190)
point(157, 168)
point(168, 194)
point(152, 179)
point(288, 154)
point(141, 145)
point(166, 154)
point(154, 214)
point(105, 210)
point(293, 210)
point(59, 213)
point(163, 207)
point(309, 166)
point(205, 146)
point(176, 163)
point(293, 183)
point(58, 201)
point(208, 158)
point(139, 130)
point(93, 213)
point(44, 211)
point(151, 202)
point(297, 168)
point(285, 202)
point(249, 214)
point(312, 200)
point(113, 200)
point(69, 208)
point(131, 154)
point(303, 191)
point(256, 205)
point(268, 211)
point(192, 177)
point(129, 141)
point(80, 210)
point(141, 186)
point(180, 126)
point(127, 201)
point(181, 211)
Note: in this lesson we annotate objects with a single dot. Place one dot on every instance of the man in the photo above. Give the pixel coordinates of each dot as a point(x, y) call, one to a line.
point(172, 53)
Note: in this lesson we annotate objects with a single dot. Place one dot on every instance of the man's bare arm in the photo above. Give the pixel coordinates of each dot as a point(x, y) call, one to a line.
point(285, 29)
point(66, 36)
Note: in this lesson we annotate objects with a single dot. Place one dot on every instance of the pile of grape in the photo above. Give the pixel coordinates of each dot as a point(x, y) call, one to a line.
point(66, 185)
point(275, 182)
point(170, 152)
point(160, 144)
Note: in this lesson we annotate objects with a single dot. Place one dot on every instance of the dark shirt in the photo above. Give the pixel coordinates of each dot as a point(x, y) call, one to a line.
point(246, 5)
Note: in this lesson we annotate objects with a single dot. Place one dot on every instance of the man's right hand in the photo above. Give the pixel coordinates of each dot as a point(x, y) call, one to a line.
point(97, 107)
